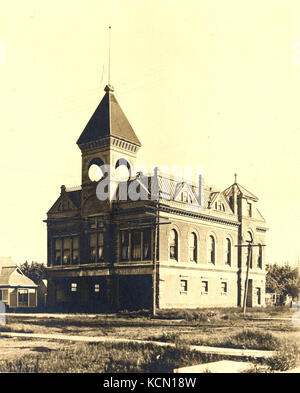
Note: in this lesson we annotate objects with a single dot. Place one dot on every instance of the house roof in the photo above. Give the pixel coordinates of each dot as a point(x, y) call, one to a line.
point(108, 120)
point(12, 276)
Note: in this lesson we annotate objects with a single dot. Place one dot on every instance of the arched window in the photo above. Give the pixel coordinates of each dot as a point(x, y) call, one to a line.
point(211, 249)
point(259, 258)
point(122, 169)
point(228, 252)
point(95, 169)
point(173, 245)
point(193, 247)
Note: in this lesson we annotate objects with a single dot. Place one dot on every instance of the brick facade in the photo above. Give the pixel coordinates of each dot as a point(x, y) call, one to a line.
point(101, 253)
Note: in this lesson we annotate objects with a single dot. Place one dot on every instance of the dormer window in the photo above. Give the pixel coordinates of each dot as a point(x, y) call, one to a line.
point(184, 196)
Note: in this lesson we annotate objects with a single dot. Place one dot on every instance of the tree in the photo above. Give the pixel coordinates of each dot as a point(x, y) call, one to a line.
point(35, 271)
point(284, 280)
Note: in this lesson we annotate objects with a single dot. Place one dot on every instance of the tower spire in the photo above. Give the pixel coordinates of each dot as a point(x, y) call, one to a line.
point(109, 87)
point(109, 44)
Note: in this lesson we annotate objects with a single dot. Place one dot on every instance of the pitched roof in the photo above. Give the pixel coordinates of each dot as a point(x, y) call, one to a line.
point(241, 190)
point(108, 120)
point(11, 275)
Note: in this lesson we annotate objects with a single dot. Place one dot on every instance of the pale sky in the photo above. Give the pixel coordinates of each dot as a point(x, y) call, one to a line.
point(213, 83)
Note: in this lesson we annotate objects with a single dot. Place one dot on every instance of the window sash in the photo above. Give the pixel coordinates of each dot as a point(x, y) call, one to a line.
point(23, 297)
point(228, 252)
point(173, 245)
point(124, 237)
point(136, 245)
point(193, 247)
point(66, 251)
point(183, 285)
point(96, 247)
point(223, 287)
point(147, 244)
point(204, 286)
point(259, 259)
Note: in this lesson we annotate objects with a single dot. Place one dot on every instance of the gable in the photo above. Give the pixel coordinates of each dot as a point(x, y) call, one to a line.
point(17, 278)
point(219, 202)
point(63, 203)
point(184, 193)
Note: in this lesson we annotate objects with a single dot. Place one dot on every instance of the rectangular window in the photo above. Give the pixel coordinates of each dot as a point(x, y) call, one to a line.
point(23, 297)
point(97, 288)
point(67, 251)
point(1, 294)
point(136, 245)
point(4, 295)
point(92, 247)
point(75, 253)
point(223, 287)
point(124, 240)
point(147, 244)
point(204, 287)
point(100, 246)
point(58, 247)
point(183, 286)
point(74, 287)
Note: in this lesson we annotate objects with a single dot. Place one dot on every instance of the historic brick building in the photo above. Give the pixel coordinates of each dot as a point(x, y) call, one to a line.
point(101, 252)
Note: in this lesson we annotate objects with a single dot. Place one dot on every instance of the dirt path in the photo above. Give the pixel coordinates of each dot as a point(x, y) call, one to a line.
point(204, 349)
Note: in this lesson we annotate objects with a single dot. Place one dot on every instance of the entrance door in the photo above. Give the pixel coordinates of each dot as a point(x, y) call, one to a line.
point(258, 296)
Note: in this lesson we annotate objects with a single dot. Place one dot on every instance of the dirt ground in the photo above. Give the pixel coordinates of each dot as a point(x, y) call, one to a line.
point(137, 328)
point(14, 348)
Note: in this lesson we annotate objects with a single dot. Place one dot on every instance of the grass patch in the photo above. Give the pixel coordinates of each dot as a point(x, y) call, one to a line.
point(134, 358)
point(16, 328)
point(245, 339)
point(287, 357)
point(109, 358)
point(253, 339)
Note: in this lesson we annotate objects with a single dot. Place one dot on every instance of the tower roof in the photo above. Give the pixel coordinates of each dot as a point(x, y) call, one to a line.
point(241, 191)
point(108, 120)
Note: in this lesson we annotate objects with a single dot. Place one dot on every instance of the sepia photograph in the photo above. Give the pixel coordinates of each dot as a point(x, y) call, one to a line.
point(150, 186)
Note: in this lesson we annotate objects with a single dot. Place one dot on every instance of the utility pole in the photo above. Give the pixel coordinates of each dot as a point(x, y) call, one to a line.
point(249, 263)
point(154, 280)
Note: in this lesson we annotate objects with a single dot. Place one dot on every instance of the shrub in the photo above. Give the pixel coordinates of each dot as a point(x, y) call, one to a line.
point(286, 357)
point(254, 339)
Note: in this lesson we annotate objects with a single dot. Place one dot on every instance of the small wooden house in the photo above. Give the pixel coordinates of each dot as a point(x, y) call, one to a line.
point(16, 290)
